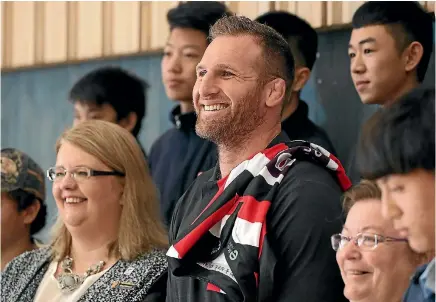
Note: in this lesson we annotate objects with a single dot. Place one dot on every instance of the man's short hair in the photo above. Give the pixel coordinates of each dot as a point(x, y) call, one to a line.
point(301, 37)
point(116, 87)
point(278, 59)
point(199, 15)
point(400, 138)
point(406, 21)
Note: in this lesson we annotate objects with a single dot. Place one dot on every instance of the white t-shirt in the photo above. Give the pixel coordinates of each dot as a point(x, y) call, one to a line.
point(48, 290)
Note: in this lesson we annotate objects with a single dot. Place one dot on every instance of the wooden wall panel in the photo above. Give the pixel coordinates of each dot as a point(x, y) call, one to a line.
point(89, 29)
point(348, 9)
point(37, 33)
point(289, 6)
point(233, 6)
point(6, 34)
point(250, 9)
point(145, 26)
point(72, 33)
point(159, 25)
point(125, 27)
point(55, 32)
point(23, 33)
point(333, 13)
point(314, 12)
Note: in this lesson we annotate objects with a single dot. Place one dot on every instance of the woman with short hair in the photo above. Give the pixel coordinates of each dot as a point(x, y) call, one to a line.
point(376, 263)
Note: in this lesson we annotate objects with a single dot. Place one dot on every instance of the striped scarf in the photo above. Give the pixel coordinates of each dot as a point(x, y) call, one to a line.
point(227, 243)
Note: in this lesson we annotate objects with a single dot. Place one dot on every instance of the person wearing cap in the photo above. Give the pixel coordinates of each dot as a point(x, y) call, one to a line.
point(23, 211)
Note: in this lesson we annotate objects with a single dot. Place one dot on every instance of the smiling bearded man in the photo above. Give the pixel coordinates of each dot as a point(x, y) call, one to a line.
point(257, 227)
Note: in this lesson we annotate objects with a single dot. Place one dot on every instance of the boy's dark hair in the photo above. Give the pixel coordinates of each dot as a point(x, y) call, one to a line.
point(199, 15)
point(400, 138)
point(406, 21)
point(301, 37)
point(114, 86)
point(277, 56)
point(24, 200)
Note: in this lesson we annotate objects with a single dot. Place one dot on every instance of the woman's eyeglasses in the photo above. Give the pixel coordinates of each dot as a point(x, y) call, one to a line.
point(78, 173)
point(365, 241)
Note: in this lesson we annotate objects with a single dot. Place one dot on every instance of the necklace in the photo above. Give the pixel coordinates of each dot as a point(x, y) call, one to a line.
point(69, 281)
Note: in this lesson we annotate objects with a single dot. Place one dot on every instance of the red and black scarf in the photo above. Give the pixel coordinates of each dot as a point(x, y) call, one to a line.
point(227, 243)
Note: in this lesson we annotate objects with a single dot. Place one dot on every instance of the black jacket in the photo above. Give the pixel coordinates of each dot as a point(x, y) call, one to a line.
point(300, 221)
point(176, 159)
point(298, 126)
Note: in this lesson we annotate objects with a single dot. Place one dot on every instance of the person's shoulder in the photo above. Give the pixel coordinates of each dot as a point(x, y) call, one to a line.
point(319, 136)
point(163, 140)
point(155, 257)
point(22, 268)
point(152, 263)
point(29, 258)
point(309, 172)
point(307, 186)
point(145, 269)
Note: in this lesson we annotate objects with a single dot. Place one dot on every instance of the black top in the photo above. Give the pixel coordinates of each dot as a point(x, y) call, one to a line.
point(298, 126)
point(158, 291)
point(176, 159)
point(305, 213)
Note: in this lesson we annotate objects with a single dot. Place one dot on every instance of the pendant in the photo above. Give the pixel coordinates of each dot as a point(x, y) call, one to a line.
point(68, 282)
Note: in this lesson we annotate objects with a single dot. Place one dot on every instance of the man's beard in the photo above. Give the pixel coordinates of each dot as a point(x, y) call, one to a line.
point(233, 130)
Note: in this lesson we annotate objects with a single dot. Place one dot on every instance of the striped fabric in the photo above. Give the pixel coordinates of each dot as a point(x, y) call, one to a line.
point(228, 242)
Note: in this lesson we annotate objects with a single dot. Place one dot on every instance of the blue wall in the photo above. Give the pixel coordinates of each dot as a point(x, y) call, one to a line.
point(35, 109)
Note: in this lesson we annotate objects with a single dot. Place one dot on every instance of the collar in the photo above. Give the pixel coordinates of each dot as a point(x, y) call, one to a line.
point(185, 121)
point(427, 280)
point(280, 138)
point(294, 120)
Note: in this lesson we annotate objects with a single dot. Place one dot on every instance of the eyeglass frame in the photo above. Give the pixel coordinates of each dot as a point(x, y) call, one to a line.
point(91, 172)
point(378, 239)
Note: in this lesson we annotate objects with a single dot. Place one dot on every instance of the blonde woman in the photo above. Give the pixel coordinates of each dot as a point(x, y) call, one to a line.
point(376, 263)
point(108, 243)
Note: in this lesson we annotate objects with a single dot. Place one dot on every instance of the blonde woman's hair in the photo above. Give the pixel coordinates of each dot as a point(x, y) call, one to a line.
point(140, 225)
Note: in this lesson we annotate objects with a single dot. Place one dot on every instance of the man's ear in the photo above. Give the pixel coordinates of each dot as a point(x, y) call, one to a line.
point(129, 122)
point(275, 92)
point(413, 55)
point(29, 214)
point(302, 75)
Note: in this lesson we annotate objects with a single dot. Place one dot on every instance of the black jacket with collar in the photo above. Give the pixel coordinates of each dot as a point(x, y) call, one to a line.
point(298, 126)
point(177, 158)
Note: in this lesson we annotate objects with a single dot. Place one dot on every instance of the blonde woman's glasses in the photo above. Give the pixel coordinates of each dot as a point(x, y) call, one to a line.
point(78, 173)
